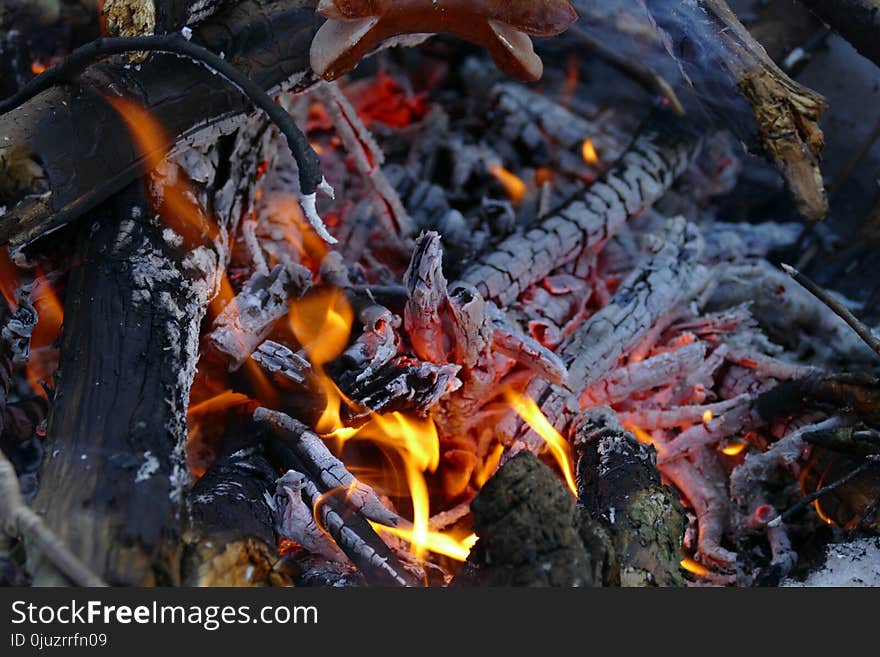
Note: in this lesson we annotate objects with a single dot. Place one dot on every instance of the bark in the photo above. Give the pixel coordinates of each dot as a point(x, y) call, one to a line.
point(143, 17)
point(232, 524)
point(786, 114)
point(619, 488)
point(114, 478)
point(46, 187)
point(528, 532)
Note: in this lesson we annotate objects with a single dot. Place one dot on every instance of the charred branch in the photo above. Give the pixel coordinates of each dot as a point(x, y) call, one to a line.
point(54, 187)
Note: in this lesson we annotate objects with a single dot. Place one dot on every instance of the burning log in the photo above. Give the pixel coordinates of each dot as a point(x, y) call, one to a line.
point(619, 487)
point(45, 189)
point(644, 173)
point(111, 461)
point(786, 113)
point(528, 531)
point(857, 21)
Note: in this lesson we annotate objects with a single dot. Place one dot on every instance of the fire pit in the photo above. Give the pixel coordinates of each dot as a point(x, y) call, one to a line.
point(278, 313)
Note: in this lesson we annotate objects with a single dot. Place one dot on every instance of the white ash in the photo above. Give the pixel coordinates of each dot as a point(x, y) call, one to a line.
point(853, 564)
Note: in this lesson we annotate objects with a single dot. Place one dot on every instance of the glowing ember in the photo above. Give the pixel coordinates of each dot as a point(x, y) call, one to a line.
point(588, 152)
point(513, 184)
point(529, 411)
point(38, 67)
point(734, 447)
point(50, 312)
point(694, 567)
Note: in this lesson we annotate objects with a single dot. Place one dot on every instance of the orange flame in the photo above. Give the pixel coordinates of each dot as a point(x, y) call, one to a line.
point(513, 185)
point(694, 567)
point(50, 314)
point(588, 152)
point(322, 323)
point(641, 435)
point(221, 402)
point(734, 447)
point(528, 410)
point(8, 278)
point(172, 195)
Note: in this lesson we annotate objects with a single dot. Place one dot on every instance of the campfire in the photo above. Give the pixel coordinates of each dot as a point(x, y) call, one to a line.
point(295, 293)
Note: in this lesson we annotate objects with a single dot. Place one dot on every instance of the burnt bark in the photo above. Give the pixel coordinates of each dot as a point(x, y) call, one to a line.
point(143, 17)
point(46, 186)
point(233, 536)
point(114, 476)
point(528, 532)
point(619, 488)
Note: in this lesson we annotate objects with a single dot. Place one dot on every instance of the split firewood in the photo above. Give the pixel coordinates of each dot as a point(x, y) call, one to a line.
point(857, 21)
point(642, 175)
point(45, 189)
point(786, 113)
point(527, 526)
point(619, 487)
point(231, 540)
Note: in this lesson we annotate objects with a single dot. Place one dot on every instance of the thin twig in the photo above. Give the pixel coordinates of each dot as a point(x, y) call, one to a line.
point(18, 519)
point(863, 330)
point(809, 499)
point(310, 177)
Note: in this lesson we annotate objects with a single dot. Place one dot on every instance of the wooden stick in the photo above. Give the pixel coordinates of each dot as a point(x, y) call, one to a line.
point(861, 329)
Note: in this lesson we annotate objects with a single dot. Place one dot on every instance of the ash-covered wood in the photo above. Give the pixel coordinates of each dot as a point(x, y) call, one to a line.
point(267, 39)
point(117, 432)
point(619, 487)
point(645, 171)
point(340, 500)
point(246, 321)
point(667, 278)
point(527, 526)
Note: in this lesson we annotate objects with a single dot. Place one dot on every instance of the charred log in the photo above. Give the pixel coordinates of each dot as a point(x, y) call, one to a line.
point(45, 188)
point(619, 488)
point(528, 531)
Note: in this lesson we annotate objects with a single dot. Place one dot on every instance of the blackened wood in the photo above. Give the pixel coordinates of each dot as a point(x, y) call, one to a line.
point(232, 537)
point(619, 488)
point(857, 21)
point(267, 39)
point(526, 522)
point(113, 481)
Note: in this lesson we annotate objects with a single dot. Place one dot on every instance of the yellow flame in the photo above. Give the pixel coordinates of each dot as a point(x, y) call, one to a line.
point(220, 402)
point(694, 567)
point(707, 416)
point(436, 542)
point(528, 410)
point(588, 152)
point(513, 184)
point(321, 322)
point(734, 447)
point(641, 435)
